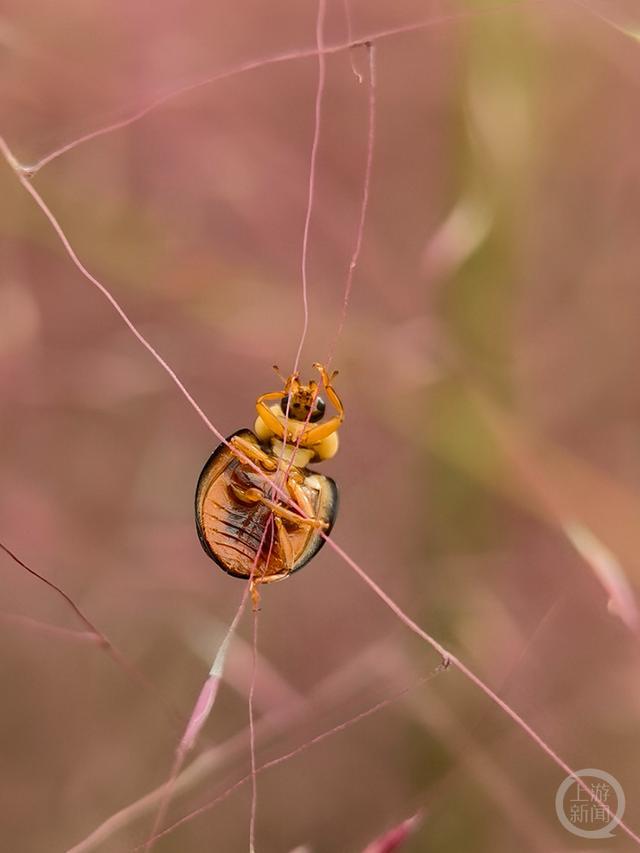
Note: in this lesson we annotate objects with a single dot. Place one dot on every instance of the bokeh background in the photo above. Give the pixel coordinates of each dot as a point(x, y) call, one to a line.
point(490, 459)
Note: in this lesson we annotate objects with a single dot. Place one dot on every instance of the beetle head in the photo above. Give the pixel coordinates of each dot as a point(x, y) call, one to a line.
point(302, 400)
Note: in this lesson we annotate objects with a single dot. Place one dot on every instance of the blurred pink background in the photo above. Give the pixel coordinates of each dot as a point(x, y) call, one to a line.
point(490, 459)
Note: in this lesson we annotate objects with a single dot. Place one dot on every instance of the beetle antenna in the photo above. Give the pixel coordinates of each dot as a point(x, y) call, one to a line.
point(277, 370)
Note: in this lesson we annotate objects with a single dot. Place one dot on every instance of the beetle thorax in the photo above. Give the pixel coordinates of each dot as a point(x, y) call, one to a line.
point(300, 457)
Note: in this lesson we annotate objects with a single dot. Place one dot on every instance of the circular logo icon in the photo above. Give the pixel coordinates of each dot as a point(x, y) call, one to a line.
point(596, 813)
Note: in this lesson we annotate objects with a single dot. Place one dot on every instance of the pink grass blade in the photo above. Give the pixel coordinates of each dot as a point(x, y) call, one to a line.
point(629, 32)
point(371, 132)
point(548, 474)
point(70, 603)
point(347, 16)
point(281, 759)
point(200, 713)
point(252, 690)
point(462, 232)
point(97, 636)
point(322, 7)
point(607, 569)
point(35, 195)
point(337, 687)
point(54, 630)
point(252, 738)
point(450, 658)
point(395, 838)
point(255, 64)
point(199, 716)
point(204, 704)
point(207, 696)
point(310, 199)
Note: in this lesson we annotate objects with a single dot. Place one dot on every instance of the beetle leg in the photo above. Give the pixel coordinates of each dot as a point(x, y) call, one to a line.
point(268, 417)
point(316, 434)
point(328, 387)
point(326, 379)
point(253, 496)
point(300, 497)
point(254, 587)
point(255, 454)
point(285, 544)
point(255, 595)
point(283, 512)
point(247, 496)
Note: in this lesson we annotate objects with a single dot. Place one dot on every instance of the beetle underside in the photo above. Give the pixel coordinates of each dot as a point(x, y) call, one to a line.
point(243, 537)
